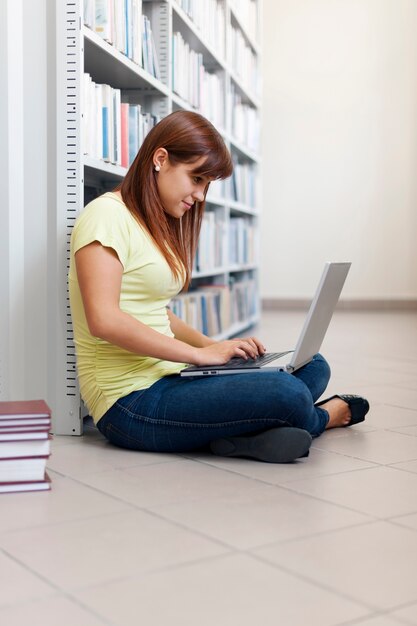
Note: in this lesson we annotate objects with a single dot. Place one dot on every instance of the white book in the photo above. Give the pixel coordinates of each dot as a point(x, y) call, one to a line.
point(31, 485)
point(119, 20)
point(99, 122)
point(137, 31)
point(25, 448)
point(103, 19)
point(13, 470)
point(117, 126)
point(89, 13)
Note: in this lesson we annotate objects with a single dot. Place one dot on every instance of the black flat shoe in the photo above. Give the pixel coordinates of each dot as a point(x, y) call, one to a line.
point(277, 445)
point(358, 407)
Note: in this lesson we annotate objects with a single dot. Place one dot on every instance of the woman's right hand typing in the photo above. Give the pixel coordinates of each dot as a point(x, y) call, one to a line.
point(221, 352)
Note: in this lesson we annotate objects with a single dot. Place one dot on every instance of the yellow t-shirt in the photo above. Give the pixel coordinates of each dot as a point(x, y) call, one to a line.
point(105, 371)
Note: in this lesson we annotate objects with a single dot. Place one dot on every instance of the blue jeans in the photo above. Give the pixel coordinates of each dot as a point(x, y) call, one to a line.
point(180, 414)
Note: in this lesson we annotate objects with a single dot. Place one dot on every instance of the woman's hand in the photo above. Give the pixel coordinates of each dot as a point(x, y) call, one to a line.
point(221, 352)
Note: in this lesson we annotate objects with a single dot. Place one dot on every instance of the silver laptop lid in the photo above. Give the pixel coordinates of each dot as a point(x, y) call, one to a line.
point(320, 313)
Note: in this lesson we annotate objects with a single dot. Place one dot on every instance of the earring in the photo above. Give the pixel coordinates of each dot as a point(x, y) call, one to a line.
point(157, 168)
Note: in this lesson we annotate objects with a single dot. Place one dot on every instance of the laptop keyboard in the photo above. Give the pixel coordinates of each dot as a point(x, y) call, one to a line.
point(237, 362)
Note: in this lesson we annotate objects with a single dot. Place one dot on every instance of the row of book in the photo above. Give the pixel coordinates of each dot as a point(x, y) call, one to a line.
point(243, 61)
point(209, 18)
point(113, 130)
point(244, 304)
point(25, 445)
point(247, 10)
point(242, 241)
point(213, 309)
point(243, 184)
point(122, 25)
point(244, 121)
point(242, 244)
point(119, 23)
point(191, 81)
point(210, 249)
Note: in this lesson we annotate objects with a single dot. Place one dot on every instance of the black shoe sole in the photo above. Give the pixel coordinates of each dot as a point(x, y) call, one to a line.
point(278, 445)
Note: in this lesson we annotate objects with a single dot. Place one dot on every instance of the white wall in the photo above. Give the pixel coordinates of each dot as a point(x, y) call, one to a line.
point(339, 159)
point(23, 166)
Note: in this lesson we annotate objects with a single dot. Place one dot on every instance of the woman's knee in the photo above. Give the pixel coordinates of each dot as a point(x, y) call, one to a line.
point(324, 366)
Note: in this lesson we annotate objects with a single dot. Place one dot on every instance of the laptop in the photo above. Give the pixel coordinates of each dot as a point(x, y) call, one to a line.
point(310, 340)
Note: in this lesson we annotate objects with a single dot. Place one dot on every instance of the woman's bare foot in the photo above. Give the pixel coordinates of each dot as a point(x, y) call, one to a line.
point(339, 412)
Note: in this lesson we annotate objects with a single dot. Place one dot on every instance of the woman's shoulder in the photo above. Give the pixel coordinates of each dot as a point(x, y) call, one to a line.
point(109, 204)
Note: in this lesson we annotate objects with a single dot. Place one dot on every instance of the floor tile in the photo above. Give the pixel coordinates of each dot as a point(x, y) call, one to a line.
point(410, 466)
point(50, 612)
point(234, 591)
point(318, 463)
point(408, 614)
point(396, 396)
point(379, 446)
point(410, 521)
point(18, 584)
point(366, 563)
point(67, 500)
point(391, 417)
point(377, 620)
point(257, 517)
point(178, 481)
point(77, 461)
point(93, 551)
point(411, 431)
point(379, 491)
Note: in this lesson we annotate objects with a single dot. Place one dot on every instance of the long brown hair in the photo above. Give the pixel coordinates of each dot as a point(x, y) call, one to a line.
point(186, 136)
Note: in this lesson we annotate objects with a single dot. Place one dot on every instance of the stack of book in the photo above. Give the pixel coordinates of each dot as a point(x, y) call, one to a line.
point(25, 445)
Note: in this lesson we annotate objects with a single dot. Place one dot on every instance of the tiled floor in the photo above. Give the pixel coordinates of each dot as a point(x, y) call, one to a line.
point(126, 538)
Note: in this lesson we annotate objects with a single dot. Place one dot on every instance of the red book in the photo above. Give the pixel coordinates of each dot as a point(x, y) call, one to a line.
point(16, 409)
point(27, 485)
point(16, 435)
point(23, 428)
point(24, 416)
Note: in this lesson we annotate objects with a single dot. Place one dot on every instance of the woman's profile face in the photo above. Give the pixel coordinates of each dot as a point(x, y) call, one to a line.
point(179, 187)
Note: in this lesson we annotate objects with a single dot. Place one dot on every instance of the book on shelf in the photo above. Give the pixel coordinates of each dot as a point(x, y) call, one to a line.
point(243, 300)
point(213, 309)
point(209, 255)
point(113, 129)
point(25, 445)
point(243, 120)
point(243, 184)
point(26, 485)
point(209, 18)
point(207, 309)
point(242, 247)
point(149, 54)
point(202, 89)
point(243, 61)
point(119, 22)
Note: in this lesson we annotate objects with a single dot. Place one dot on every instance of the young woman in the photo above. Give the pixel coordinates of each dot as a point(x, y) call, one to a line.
point(131, 252)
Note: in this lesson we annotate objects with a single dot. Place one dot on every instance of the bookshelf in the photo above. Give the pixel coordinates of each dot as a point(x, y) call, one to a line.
point(189, 54)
